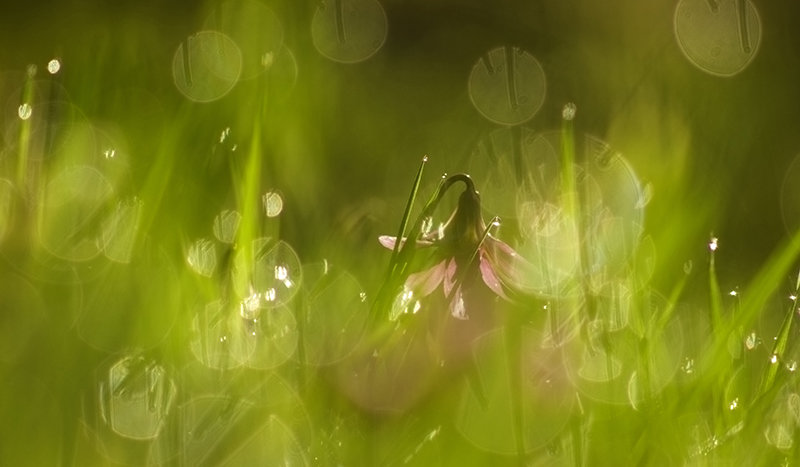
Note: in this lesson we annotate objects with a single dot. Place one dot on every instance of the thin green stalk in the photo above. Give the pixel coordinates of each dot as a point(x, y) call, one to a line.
point(719, 340)
point(25, 131)
point(398, 269)
point(249, 193)
point(672, 301)
point(568, 167)
point(781, 342)
point(715, 298)
point(409, 205)
point(758, 291)
point(513, 340)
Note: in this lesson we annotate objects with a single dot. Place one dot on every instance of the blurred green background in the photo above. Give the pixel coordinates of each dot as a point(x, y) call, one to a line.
point(150, 129)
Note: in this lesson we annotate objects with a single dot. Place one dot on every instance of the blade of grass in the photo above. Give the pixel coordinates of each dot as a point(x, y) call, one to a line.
point(248, 193)
point(768, 279)
point(779, 347)
point(672, 302)
point(568, 167)
point(715, 298)
point(407, 213)
point(25, 132)
point(398, 268)
point(758, 291)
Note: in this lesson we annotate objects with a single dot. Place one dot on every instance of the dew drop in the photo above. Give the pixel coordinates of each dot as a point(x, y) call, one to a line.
point(713, 244)
point(53, 66)
point(224, 135)
point(267, 60)
point(109, 153)
point(270, 295)
point(751, 341)
point(273, 204)
point(202, 257)
point(250, 307)
point(569, 111)
point(226, 225)
point(688, 366)
point(25, 111)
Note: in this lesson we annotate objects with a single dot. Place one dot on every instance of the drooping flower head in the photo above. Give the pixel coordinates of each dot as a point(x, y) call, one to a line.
point(461, 245)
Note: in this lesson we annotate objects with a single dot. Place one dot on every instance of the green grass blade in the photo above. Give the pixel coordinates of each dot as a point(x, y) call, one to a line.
point(568, 167)
point(779, 348)
point(767, 280)
point(758, 291)
point(407, 213)
point(715, 297)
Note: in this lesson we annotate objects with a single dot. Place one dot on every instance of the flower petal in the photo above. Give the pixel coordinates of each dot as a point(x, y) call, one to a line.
point(457, 308)
point(425, 282)
point(450, 276)
point(508, 268)
point(388, 242)
point(490, 278)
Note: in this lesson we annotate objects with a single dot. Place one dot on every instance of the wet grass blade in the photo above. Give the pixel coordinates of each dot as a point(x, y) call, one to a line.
point(767, 280)
point(407, 213)
point(715, 298)
point(568, 188)
point(781, 342)
point(758, 291)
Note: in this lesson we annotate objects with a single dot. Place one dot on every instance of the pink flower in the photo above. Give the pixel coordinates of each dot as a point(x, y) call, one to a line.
point(463, 241)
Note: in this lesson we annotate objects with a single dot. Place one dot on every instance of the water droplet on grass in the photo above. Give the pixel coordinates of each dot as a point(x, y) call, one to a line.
point(25, 111)
point(273, 203)
point(139, 397)
point(271, 267)
point(226, 224)
point(751, 341)
point(202, 257)
point(53, 66)
point(569, 111)
point(688, 365)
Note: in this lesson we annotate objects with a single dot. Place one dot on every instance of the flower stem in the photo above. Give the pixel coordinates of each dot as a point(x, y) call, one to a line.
point(401, 255)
